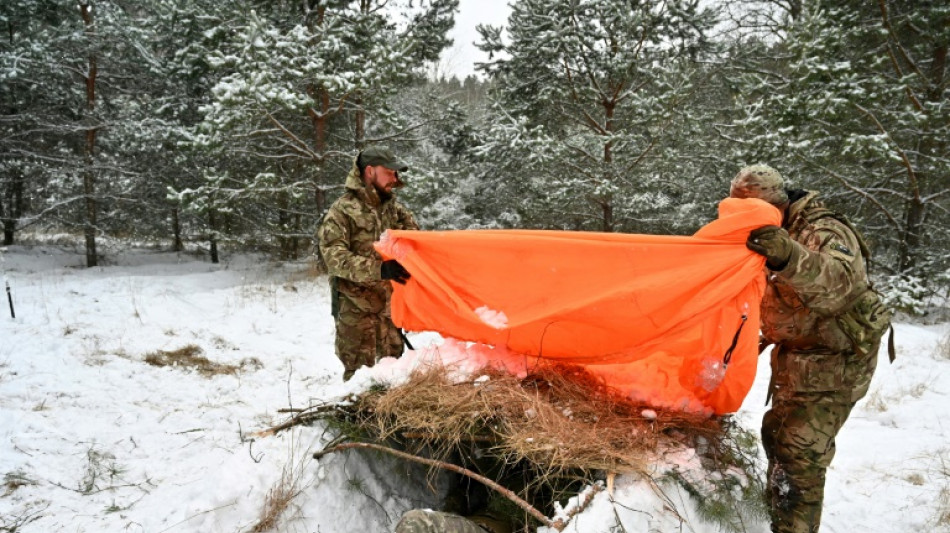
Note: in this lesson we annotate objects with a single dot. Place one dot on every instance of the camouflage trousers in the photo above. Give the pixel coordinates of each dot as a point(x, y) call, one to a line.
point(418, 521)
point(799, 441)
point(813, 396)
point(364, 338)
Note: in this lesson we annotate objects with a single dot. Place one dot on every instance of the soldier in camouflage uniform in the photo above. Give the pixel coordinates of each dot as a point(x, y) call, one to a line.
point(359, 278)
point(425, 521)
point(826, 324)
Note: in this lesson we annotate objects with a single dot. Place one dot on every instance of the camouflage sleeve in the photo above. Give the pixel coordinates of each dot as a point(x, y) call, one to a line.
point(825, 271)
point(404, 218)
point(334, 236)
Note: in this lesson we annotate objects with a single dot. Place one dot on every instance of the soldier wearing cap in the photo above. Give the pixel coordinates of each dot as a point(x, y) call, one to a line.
point(826, 323)
point(359, 278)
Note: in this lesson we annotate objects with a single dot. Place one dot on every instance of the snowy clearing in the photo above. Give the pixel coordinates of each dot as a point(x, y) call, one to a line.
point(94, 439)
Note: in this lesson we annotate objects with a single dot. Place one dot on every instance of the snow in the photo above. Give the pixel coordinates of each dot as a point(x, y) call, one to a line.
point(94, 439)
point(495, 319)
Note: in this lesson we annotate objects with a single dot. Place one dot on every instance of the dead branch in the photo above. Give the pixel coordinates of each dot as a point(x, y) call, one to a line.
point(303, 416)
point(911, 175)
point(848, 185)
point(527, 507)
point(585, 501)
point(297, 144)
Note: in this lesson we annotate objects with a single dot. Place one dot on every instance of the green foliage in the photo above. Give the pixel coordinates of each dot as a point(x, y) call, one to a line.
point(905, 294)
point(849, 100)
point(731, 492)
point(592, 105)
point(236, 121)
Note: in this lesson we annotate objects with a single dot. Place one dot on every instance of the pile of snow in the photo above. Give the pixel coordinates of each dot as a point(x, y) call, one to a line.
point(93, 439)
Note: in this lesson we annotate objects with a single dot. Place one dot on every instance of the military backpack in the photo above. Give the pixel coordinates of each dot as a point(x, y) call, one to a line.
point(864, 319)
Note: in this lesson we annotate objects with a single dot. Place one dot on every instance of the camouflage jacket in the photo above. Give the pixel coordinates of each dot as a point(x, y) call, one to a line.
point(352, 224)
point(822, 298)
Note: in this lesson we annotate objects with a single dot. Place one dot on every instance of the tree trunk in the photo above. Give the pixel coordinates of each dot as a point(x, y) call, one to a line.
point(177, 244)
point(88, 174)
point(608, 216)
point(298, 228)
point(283, 226)
point(7, 222)
point(14, 208)
point(795, 10)
point(608, 207)
point(9, 232)
point(89, 191)
point(320, 145)
point(321, 200)
point(915, 215)
point(910, 240)
point(213, 234)
point(360, 136)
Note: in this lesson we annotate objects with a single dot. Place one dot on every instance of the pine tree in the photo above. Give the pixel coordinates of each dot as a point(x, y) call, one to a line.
point(296, 95)
point(860, 110)
point(590, 92)
point(77, 75)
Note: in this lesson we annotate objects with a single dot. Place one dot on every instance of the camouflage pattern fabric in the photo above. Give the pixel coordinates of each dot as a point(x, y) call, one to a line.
point(364, 329)
point(798, 432)
point(822, 298)
point(418, 521)
point(827, 326)
point(759, 181)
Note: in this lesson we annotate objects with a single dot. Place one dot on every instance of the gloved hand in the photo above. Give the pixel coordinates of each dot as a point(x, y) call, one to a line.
point(774, 243)
point(391, 269)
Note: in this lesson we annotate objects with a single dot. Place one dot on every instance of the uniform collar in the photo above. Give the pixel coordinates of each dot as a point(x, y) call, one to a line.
point(796, 208)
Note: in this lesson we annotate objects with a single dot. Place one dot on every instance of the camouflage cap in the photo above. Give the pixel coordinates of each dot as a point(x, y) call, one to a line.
point(759, 181)
point(376, 156)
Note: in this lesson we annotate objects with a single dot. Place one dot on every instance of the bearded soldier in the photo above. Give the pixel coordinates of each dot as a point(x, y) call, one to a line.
point(826, 323)
point(359, 278)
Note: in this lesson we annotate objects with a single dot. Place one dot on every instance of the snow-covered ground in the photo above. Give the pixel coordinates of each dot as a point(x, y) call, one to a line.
point(94, 439)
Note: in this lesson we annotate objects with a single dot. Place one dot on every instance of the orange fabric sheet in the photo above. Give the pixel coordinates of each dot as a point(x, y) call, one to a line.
point(653, 315)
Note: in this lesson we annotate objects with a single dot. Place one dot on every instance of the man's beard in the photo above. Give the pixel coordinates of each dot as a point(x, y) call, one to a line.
point(384, 195)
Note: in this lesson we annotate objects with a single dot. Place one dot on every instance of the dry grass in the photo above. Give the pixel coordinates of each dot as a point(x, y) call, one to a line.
point(943, 508)
point(14, 480)
point(943, 347)
point(941, 517)
point(189, 356)
point(278, 503)
point(546, 436)
point(559, 418)
point(278, 499)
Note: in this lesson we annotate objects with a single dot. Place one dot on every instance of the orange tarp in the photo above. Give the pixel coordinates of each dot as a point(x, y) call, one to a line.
point(654, 315)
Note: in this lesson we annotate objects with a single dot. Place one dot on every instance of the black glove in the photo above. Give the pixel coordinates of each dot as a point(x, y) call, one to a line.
point(774, 243)
point(391, 269)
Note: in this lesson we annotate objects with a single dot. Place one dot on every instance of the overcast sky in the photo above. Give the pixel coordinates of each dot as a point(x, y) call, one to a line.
point(461, 57)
